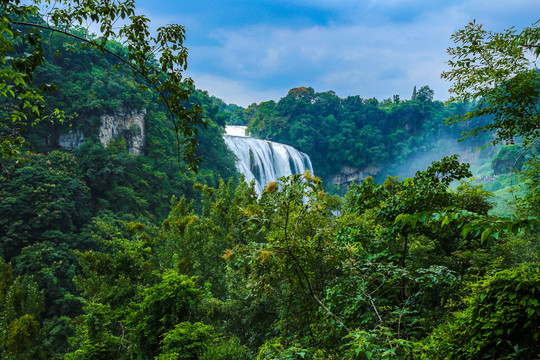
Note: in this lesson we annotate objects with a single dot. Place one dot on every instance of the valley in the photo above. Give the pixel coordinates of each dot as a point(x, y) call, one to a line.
point(144, 218)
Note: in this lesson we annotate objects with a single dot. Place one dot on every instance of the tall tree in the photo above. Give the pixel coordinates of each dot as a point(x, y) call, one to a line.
point(495, 69)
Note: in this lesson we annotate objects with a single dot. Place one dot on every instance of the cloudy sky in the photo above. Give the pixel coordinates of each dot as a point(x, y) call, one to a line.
point(248, 51)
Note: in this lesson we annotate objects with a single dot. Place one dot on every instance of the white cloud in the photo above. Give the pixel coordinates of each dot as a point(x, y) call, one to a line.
point(349, 59)
point(371, 48)
point(232, 91)
point(254, 63)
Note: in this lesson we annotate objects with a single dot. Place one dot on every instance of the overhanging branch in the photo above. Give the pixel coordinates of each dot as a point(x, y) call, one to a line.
point(103, 49)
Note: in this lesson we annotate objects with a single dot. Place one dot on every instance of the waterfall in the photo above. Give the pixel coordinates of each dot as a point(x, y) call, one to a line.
point(264, 161)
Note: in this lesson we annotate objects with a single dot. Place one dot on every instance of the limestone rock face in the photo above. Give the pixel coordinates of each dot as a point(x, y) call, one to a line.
point(71, 140)
point(128, 124)
point(348, 175)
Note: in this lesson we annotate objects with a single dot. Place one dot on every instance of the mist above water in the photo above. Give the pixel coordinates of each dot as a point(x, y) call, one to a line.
point(436, 149)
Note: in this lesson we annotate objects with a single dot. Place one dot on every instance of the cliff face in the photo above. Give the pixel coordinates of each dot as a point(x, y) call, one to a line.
point(71, 140)
point(128, 124)
point(348, 175)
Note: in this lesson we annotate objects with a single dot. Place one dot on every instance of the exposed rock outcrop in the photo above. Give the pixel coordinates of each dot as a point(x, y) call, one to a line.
point(348, 175)
point(71, 140)
point(128, 124)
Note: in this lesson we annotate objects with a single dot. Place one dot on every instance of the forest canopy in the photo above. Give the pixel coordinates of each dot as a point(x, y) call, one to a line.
point(111, 255)
point(158, 59)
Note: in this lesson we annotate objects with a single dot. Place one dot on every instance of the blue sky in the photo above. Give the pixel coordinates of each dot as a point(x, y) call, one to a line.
point(252, 51)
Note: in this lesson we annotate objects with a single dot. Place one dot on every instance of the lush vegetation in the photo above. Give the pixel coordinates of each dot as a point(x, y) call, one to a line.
point(157, 60)
point(285, 276)
point(109, 255)
point(371, 136)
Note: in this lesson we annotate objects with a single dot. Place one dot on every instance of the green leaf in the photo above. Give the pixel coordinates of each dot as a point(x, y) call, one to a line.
point(485, 234)
point(445, 221)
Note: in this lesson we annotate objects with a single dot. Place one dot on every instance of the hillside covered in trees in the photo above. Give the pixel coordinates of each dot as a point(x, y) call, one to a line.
point(359, 133)
point(113, 250)
point(353, 138)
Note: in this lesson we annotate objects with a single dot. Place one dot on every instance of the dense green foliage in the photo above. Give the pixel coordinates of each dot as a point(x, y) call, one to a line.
point(495, 325)
point(495, 67)
point(49, 196)
point(158, 60)
point(109, 255)
point(371, 136)
point(287, 276)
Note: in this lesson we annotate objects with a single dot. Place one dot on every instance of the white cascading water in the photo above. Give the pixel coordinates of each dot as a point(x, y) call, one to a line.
point(264, 161)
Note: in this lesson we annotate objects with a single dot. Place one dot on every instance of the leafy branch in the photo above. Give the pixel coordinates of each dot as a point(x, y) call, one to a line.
point(164, 76)
point(488, 228)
